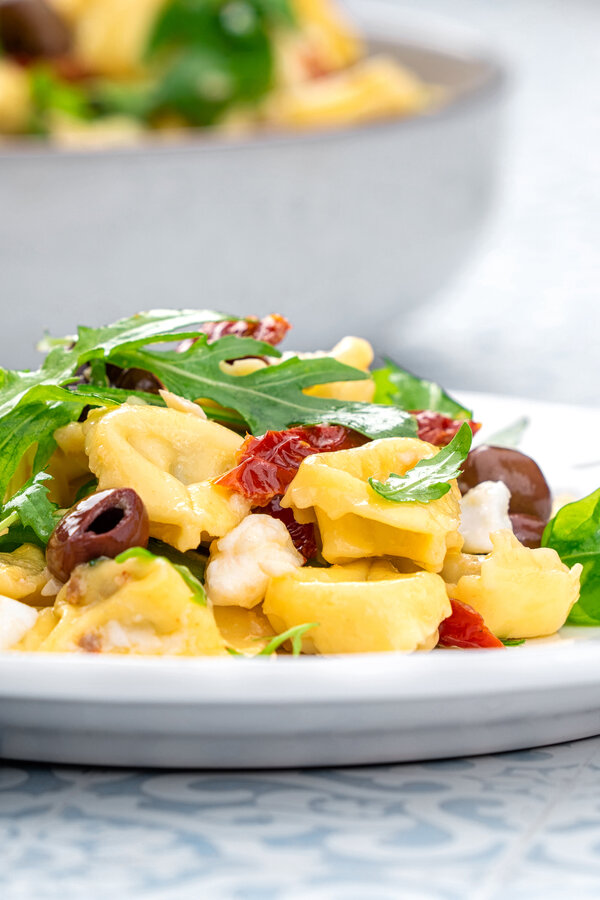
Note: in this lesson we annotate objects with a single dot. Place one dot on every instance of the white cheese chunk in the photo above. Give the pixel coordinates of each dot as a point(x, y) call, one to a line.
point(16, 619)
point(483, 510)
point(242, 562)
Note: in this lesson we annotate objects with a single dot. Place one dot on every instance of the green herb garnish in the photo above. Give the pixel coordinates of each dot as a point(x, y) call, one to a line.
point(397, 387)
point(294, 635)
point(429, 479)
point(510, 436)
point(31, 509)
point(513, 642)
point(574, 533)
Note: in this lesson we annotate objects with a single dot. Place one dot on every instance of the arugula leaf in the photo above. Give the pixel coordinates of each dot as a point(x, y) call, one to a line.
point(397, 387)
point(429, 479)
point(31, 507)
point(574, 533)
point(294, 635)
point(511, 435)
point(33, 423)
point(34, 404)
point(197, 589)
point(270, 398)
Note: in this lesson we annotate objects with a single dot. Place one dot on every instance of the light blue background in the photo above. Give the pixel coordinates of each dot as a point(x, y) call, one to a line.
point(515, 825)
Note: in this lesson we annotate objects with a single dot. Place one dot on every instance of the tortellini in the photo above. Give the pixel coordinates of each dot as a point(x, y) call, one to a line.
point(68, 467)
point(365, 606)
point(15, 97)
point(242, 563)
point(246, 631)
point(355, 522)
point(520, 593)
point(136, 607)
point(110, 35)
point(373, 88)
point(23, 573)
point(355, 352)
point(169, 458)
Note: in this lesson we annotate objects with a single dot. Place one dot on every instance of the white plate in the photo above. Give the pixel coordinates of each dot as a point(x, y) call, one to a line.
point(229, 713)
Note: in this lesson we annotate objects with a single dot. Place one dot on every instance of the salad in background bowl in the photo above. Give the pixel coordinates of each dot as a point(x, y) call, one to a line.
point(373, 218)
point(103, 73)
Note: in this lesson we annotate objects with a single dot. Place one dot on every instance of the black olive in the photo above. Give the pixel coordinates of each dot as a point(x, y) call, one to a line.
point(104, 524)
point(31, 29)
point(529, 491)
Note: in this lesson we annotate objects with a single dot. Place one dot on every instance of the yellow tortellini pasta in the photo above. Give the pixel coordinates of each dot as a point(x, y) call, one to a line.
point(365, 606)
point(372, 89)
point(355, 522)
point(15, 97)
point(22, 573)
point(520, 593)
point(136, 607)
point(111, 35)
point(245, 630)
point(68, 467)
point(355, 352)
point(169, 458)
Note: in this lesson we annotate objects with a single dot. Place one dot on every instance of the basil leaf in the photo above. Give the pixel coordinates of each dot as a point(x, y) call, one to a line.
point(31, 507)
point(271, 398)
point(429, 479)
point(513, 642)
point(397, 387)
point(294, 635)
point(574, 533)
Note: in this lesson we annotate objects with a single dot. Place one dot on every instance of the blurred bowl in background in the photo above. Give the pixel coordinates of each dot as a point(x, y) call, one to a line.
point(341, 231)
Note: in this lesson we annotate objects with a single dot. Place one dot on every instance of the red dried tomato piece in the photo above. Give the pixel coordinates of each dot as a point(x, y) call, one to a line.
point(439, 429)
point(465, 628)
point(271, 329)
point(268, 464)
point(303, 536)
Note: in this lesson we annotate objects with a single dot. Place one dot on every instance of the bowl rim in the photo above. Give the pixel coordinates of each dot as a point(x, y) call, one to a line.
point(374, 17)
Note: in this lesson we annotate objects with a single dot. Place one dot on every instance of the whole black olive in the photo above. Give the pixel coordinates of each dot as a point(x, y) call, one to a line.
point(529, 491)
point(133, 379)
point(528, 529)
point(32, 29)
point(103, 524)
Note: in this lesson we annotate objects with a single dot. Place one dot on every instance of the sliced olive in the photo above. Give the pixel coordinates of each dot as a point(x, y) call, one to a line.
point(32, 29)
point(529, 491)
point(104, 524)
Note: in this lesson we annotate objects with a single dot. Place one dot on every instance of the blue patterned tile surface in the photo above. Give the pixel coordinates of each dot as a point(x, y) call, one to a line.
point(515, 825)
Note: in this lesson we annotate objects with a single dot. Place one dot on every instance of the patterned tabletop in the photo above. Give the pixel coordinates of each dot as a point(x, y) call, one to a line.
point(515, 825)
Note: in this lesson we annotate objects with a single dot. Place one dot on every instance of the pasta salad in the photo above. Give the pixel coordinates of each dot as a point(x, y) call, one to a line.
point(173, 484)
point(98, 72)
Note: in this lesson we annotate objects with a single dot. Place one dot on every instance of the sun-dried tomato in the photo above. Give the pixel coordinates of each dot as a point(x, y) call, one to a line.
point(466, 629)
point(267, 464)
point(270, 329)
point(303, 536)
point(439, 429)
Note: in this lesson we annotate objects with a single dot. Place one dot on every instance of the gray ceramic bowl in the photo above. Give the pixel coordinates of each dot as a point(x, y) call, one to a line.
point(340, 231)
